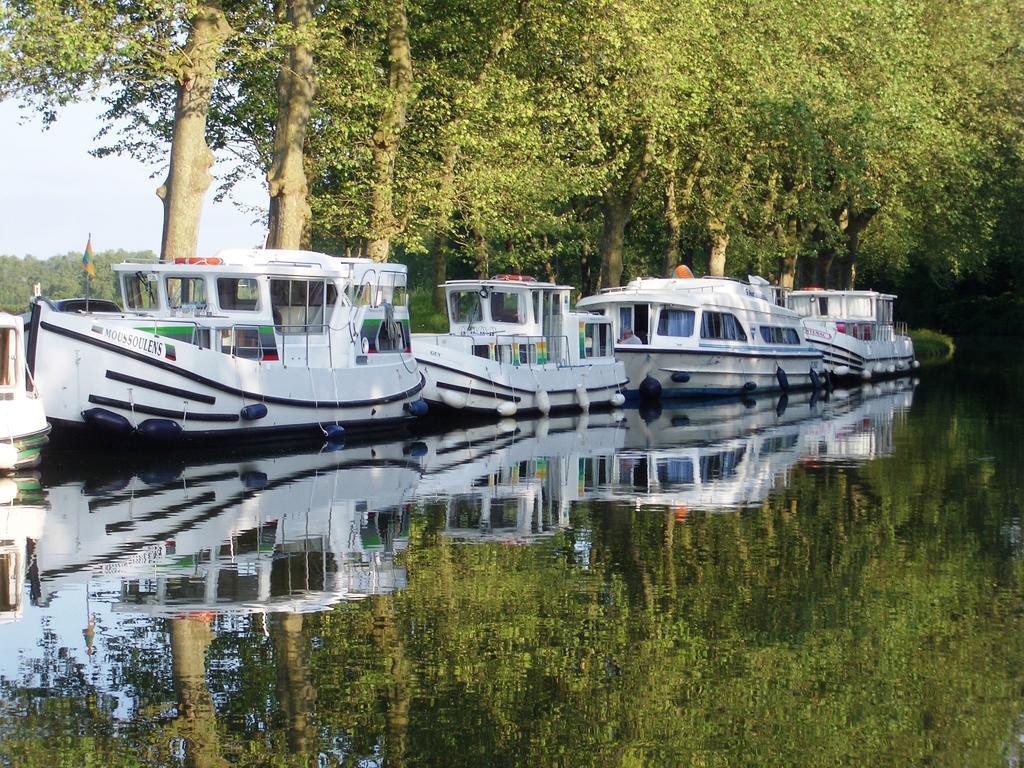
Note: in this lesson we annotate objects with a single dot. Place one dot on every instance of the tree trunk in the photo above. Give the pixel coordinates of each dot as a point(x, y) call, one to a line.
point(383, 225)
point(189, 177)
point(587, 277)
point(787, 267)
point(197, 718)
point(672, 225)
point(613, 239)
point(719, 245)
point(296, 87)
point(857, 223)
point(480, 254)
point(440, 270)
point(616, 206)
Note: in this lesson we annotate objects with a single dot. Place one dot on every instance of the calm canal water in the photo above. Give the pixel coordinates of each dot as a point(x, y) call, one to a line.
point(769, 583)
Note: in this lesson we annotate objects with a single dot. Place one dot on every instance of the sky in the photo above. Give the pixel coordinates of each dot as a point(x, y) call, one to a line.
point(53, 193)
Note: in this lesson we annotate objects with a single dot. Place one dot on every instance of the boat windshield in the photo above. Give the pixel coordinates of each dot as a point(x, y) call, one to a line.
point(464, 307)
point(505, 307)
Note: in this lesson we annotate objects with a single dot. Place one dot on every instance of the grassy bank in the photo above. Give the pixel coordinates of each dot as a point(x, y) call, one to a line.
point(932, 346)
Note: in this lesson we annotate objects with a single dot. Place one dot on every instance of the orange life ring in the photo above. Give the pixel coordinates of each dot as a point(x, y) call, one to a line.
point(212, 261)
point(516, 278)
point(683, 272)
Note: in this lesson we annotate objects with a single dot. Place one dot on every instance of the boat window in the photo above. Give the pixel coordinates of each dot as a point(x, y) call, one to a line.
point(465, 307)
point(823, 306)
point(537, 296)
point(238, 294)
point(676, 322)
point(625, 319)
point(773, 334)
point(482, 350)
point(505, 307)
point(302, 306)
point(859, 307)
point(597, 340)
point(803, 305)
point(140, 290)
point(393, 288)
point(721, 325)
point(187, 292)
point(8, 357)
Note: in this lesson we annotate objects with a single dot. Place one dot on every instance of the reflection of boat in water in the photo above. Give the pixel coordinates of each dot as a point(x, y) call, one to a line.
point(515, 481)
point(726, 455)
point(22, 514)
point(863, 432)
point(282, 533)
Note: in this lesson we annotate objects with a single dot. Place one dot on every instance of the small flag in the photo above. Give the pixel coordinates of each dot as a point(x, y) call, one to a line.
point(87, 263)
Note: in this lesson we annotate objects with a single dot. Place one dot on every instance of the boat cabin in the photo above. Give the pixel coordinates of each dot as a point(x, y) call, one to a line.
point(270, 305)
point(534, 316)
point(865, 315)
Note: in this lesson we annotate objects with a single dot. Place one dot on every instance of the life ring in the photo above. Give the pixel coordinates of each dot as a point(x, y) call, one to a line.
point(211, 261)
point(683, 272)
point(516, 278)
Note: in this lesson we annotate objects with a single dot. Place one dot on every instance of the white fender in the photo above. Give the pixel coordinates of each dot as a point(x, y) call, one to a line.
point(617, 400)
point(583, 398)
point(8, 455)
point(842, 370)
point(543, 401)
point(866, 374)
point(455, 400)
point(507, 425)
point(916, 364)
point(507, 408)
point(890, 369)
point(543, 425)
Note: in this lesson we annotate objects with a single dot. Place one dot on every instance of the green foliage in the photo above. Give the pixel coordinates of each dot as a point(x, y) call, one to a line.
point(425, 317)
point(60, 277)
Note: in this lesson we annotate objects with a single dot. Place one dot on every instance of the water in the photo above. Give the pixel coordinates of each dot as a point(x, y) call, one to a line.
point(763, 583)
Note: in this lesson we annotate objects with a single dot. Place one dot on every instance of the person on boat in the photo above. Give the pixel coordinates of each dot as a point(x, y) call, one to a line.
point(628, 337)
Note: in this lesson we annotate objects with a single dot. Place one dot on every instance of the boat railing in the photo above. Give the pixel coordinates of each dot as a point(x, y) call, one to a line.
point(901, 328)
point(296, 347)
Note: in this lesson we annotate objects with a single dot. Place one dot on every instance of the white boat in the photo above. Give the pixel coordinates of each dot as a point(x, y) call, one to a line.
point(685, 336)
point(855, 331)
point(23, 427)
point(514, 345)
point(249, 342)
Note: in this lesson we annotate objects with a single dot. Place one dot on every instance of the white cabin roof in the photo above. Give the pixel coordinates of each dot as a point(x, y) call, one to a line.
point(266, 260)
point(838, 293)
point(504, 284)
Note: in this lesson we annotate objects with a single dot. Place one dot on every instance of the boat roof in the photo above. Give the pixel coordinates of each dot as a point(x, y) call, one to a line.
point(267, 260)
point(836, 292)
point(673, 285)
point(512, 281)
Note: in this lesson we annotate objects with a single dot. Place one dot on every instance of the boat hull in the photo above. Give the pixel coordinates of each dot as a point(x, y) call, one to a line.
point(101, 375)
point(716, 373)
point(846, 356)
point(461, 381)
